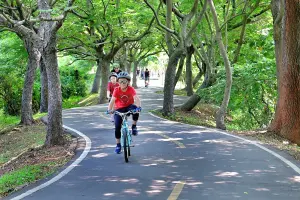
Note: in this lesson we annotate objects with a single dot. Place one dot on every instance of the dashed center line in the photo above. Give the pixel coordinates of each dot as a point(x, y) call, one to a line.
point(176, 191)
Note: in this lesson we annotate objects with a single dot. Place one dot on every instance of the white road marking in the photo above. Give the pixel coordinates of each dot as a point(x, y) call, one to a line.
point(65, 171)
point(286, 161)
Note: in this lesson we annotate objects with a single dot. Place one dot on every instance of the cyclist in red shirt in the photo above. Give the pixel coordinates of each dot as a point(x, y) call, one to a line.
point(124, 99)
point(112, 85)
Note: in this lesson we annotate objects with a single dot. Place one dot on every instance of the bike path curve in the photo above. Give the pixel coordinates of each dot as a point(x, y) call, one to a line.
point(169, 161)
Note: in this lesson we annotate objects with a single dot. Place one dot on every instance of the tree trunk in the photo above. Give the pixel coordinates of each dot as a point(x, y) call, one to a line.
point(34, 57)
point(241, 40)
point(168, 104)
point(96, 83)
point(44, 88)
point(48, 31)
point(104, 80)
point(189, 75)
point(134, 80)
point(54, 128)
point(129, 67)
point(179, 70)
point(197, 79)
point(195, 98)
point(287, 116)
point(221, 113)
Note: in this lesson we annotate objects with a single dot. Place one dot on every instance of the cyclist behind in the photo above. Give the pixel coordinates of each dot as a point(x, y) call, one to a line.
point(123, 100)
point(147, 76)
point(116, 69)
point(112, 84)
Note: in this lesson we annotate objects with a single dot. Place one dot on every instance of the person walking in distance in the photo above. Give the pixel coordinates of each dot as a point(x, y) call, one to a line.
point(147, 77)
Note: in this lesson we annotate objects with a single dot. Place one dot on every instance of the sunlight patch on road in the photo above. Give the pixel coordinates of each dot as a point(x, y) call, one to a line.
point(174, 140)
point(131, 191)
point(118, 179)
point(261, 189)
point(109, 194)
point(295, 179)
point(100, 155)
point(227, 174)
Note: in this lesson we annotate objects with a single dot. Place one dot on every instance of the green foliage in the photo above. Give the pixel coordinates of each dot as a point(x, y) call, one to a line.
point(13, 59)
point(11, 87)
point(11, 93)
point(73, 82)
point(253, 94)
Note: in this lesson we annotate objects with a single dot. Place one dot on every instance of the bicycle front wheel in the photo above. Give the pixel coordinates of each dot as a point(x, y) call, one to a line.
point(125, 147)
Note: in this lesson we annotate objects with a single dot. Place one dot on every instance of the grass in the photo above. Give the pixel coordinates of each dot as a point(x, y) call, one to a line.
point(21, 139)
point(7, 121)
point(71, 102)
point(76, 101)
point(25, 175)
point(90, 100)
point(176, 92)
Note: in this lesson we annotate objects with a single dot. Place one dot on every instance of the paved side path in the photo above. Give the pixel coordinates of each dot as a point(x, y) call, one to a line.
point(169, 161)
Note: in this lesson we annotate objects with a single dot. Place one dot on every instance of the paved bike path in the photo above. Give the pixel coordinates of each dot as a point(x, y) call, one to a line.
point(169, 158)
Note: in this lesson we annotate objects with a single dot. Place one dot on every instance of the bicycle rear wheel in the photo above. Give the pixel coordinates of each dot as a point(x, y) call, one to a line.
point(125, 147)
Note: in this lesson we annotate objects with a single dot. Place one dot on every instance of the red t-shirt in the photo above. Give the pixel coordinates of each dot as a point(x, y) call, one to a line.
point(124, 99)
point(111, 87)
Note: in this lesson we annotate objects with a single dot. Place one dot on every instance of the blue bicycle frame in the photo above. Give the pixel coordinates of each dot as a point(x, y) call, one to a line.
point(126, 138)
point(125, 131)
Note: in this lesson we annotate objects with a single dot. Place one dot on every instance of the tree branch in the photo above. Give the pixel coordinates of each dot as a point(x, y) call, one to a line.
point(126, 40)
point(198, 20)
point(157, 20)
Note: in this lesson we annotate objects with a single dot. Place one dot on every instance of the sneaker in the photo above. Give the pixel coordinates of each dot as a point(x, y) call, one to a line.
point(134, 131)
point(118, 149)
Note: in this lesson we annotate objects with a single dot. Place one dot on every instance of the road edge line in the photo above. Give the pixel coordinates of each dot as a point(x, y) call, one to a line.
point(65, 171)
point(286, 161)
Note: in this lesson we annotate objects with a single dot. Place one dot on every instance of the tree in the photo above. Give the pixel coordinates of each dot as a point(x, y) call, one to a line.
point(40, 37)
point(15, 21)
point(139, 51)
point(221, 113)
point(102, 34)
point(176, 43)
point(286, 15)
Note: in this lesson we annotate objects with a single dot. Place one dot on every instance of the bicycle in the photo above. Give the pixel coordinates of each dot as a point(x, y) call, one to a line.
point(126, 136)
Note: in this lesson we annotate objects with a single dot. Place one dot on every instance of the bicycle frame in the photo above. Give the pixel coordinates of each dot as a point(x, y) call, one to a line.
point(125, 133)
point(125, 127)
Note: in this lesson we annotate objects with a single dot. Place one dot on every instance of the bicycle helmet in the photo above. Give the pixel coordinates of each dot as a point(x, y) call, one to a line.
point(113, 74)
point(124, 75)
